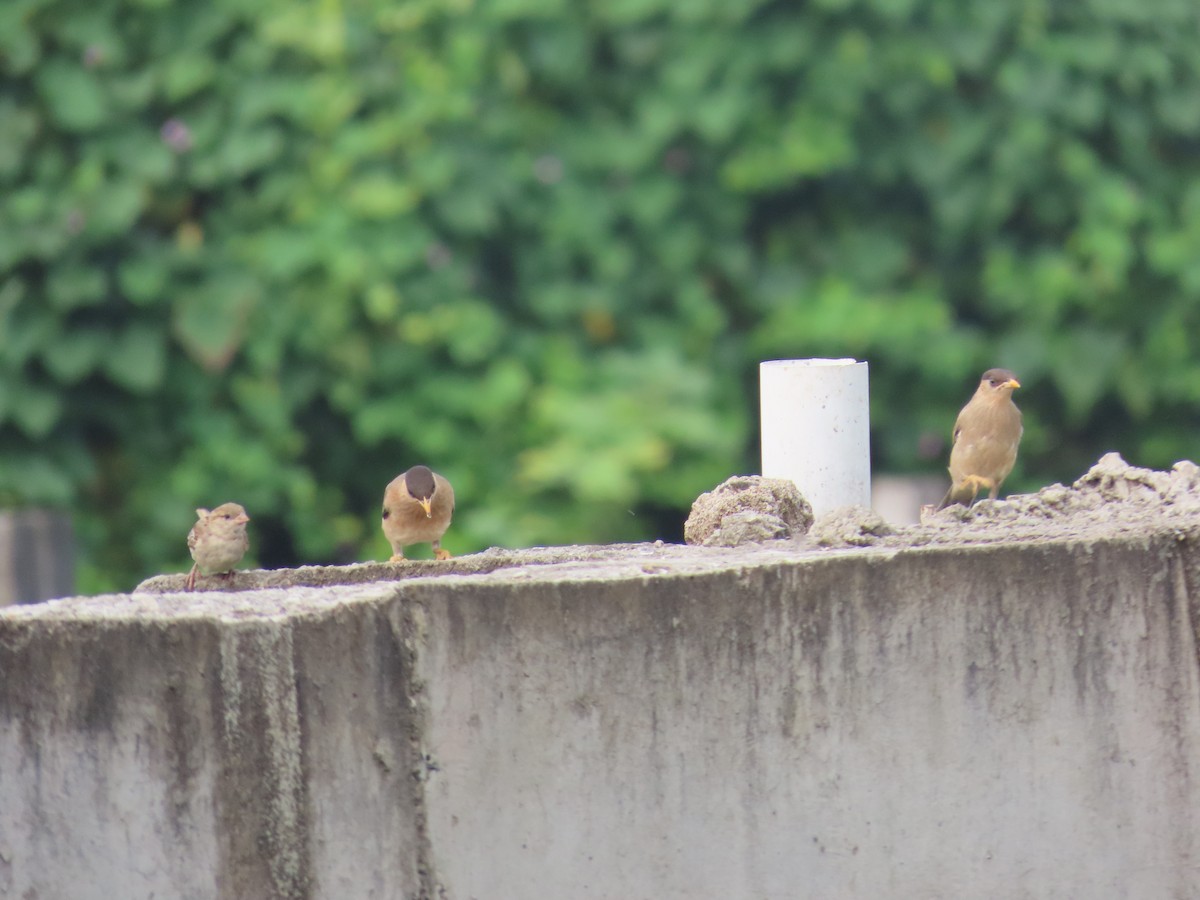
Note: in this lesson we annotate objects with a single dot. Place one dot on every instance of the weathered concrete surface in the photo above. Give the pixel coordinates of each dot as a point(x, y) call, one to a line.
point(1013, 721)
point(981, 718)
point(370, 572)
point(171, 748)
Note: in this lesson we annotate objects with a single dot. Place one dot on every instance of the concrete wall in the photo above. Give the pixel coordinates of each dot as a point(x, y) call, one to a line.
point(1012, 720)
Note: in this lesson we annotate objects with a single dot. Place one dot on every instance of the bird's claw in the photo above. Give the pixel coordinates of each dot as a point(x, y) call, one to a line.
point(439, 553)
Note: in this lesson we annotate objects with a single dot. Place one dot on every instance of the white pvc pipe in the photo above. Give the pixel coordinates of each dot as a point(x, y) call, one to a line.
point(816, 429)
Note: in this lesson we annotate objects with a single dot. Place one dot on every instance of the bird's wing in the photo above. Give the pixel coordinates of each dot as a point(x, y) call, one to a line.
point(958, 427)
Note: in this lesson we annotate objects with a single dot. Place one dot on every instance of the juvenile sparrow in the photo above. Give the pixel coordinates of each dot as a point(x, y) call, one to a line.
point(417, 507)
point(986, 436)
point(217, 541)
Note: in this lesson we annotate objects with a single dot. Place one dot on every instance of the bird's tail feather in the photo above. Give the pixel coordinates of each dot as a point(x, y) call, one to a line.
point(964, 493)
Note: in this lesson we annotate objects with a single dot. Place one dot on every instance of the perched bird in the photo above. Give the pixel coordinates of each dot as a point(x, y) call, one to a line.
point(217, 541)
point(986, 435)
point(417, 507)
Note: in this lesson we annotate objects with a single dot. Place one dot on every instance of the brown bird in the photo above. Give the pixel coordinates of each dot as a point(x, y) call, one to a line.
point(986, 436)
point(417, 507)
point(217, 541)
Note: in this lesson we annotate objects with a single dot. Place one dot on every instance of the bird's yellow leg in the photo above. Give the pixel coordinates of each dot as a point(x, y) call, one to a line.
point(978, 483)
point(438, 552)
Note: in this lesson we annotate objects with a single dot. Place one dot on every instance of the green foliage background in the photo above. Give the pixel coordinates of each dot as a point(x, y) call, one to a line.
point(278, 252)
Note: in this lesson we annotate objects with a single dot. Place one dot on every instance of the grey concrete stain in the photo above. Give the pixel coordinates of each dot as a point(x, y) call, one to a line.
point(1002, 701)
point(261, 798)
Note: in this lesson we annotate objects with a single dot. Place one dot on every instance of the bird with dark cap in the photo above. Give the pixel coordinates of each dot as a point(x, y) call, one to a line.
point(417, 507)
point(986, 436)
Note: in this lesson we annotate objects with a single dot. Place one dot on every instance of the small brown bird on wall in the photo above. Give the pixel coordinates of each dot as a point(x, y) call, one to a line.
point(218, 541)
point(417, 507)
point(986, 436)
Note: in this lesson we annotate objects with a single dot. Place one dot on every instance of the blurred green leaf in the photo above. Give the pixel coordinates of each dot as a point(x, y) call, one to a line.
point(210, 320)
point(186, 74)
point(145, 278)
point(136, 358)
point(114, 208)
point(72, 95)
point(76, 353)
point(36, 478)
point(17, 128)
point(1086, 363)
point(808, 144)
point(19, 49)
point(34, 409)
point(68, 287)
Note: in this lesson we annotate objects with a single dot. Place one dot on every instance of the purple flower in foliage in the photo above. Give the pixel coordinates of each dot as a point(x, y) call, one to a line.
point(176, 135)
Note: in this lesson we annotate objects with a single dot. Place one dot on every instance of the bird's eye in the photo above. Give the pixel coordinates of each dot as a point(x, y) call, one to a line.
point(386, 513)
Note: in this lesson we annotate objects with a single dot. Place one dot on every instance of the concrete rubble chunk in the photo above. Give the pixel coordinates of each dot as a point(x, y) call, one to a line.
point(748, 509)
point(1115, 479)
point(748, 527)
point(850, 526)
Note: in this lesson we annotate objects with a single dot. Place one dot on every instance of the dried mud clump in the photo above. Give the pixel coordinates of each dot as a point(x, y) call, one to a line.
point(1111, 496)
point(748, 509)
point(1113, 479)
point(1109, 481)
point(850, 526)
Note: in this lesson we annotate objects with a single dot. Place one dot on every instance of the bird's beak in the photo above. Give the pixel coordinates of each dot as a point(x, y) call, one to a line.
point(427, 505)
point(1012, 383)
point(242, 519)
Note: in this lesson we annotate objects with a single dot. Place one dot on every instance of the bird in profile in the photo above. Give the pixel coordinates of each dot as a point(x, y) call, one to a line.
point(987, 433)
point(417, 507)
point(217, 541)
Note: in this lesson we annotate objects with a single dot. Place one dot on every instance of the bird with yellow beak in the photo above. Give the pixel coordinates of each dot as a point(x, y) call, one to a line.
point(986, 436)
point(417, 507)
